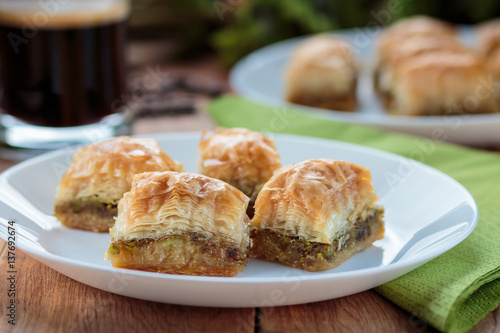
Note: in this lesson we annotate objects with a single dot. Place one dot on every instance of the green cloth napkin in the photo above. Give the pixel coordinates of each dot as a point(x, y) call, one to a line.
point(455, 290)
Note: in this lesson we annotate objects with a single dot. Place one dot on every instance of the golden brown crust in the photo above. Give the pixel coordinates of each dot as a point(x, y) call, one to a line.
point(242, 158)
point(323, 72)
point(317, 199)
point(404, 49)
point(185, 223)
point(316, 214)
point(488, 35)
point(419, 25)
point(408, 37)
point(424, 70)
point(169, 203)
point(99, 175)
point(439, 83)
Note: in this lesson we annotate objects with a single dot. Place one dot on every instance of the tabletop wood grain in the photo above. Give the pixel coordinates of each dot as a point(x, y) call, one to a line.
point(47, 301)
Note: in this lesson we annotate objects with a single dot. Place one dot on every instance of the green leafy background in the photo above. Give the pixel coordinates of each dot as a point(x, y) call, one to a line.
point(234, 28)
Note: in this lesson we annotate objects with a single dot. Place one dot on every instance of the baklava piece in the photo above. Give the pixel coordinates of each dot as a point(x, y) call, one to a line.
point(89, 191)
point(323, 73)
point(181, 223)
point(396, 53)
point(407, 38)
point(418, 25)
point(441, 83)
point(316, 214)
point(242, 158)
point(424, 70)
point(488, 34)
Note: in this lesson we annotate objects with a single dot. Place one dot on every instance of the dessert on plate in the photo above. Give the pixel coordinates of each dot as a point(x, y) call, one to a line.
point(323, 73)
point(316, 214)
point(240, 157)
point(409, 27)
point(392, 54)
point(181, 223)
point(441, 83)
point(99, 175)
point(423, 69)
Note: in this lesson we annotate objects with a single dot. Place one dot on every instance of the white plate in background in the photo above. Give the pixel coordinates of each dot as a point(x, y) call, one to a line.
point(427, 213)
point(260, 77)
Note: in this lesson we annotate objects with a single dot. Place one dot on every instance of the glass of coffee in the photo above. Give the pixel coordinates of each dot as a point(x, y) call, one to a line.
point(62, 72)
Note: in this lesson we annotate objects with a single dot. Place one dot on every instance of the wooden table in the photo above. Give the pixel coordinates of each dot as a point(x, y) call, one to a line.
point(48, 301)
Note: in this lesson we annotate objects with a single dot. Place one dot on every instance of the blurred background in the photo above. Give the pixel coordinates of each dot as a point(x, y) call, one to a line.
point(233, 28)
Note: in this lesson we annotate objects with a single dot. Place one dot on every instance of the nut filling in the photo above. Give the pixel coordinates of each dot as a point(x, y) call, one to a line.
point(296, 252)
point(188, 253)
point(345, 102)
point(98, 216)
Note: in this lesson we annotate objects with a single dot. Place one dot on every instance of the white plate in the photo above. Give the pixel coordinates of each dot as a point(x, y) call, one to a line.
point(260, 77)
point(427, 213)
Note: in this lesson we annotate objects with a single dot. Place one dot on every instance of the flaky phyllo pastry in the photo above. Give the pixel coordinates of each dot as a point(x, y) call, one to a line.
point(393, 54)
point(316, 214)
point(242, 158)
point(323, 72)
point(488, 34)
point(423, 69)
point(181, 223)
point(407, 28)
point(89, 191)
point(441, 83)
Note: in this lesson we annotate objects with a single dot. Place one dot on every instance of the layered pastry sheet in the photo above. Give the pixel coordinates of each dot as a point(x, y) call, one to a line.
point(423, 69)
point(242, 158)
point(323, 72)
point(99, 175)
point(316, 214)
point(181, 223)
point(311, 215)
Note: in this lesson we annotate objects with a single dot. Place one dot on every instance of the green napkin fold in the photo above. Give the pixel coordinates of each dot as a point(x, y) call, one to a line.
point(455, 290)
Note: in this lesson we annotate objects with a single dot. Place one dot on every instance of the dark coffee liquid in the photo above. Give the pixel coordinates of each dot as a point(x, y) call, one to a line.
point(62, 76)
